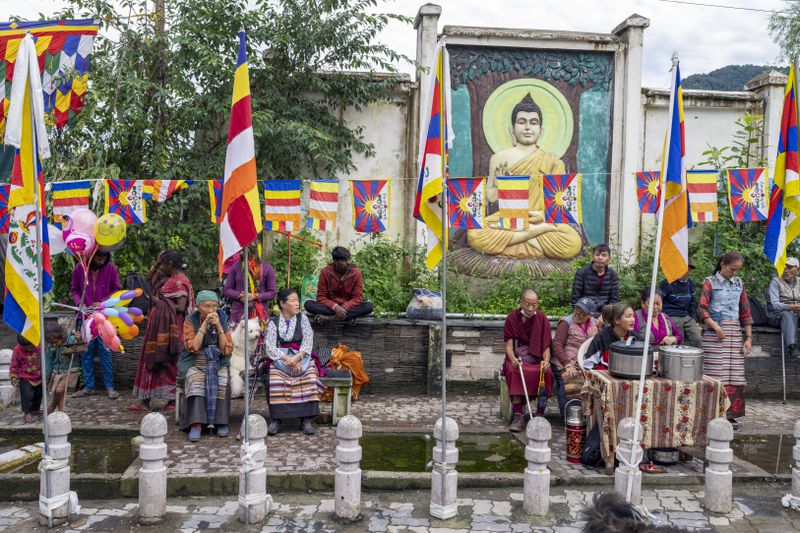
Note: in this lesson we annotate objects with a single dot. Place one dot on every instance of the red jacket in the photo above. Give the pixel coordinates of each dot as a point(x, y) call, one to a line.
point(346, 290)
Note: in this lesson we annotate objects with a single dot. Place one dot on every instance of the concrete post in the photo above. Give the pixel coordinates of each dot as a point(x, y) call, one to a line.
point(536, 491)
point(719, 478)
point(348, 474)
point(54, 493)
point(627, 469)
point(796, 457)
point(444, 474)
point(7, 390)
point(153, 473)
point(254, 502)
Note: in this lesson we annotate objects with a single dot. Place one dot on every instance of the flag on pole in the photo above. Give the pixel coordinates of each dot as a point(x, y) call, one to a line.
point(124, 197)
point(240, 222)
point(674, 257)
point(282, 205)
point(647, 187)
point(783, 224)
point(25, 129)
point(466, 202)
point(435, 137)
point(747, 194)
point(370, 205)
point(215, 199)
point(562, 198)
point(67, 197)
point(324, 200)
point(702, 187)
point(160, 190)
point(512, 201)
point(4, 218)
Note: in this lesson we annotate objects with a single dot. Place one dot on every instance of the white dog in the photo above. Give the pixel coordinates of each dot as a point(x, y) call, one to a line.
point(237, 358)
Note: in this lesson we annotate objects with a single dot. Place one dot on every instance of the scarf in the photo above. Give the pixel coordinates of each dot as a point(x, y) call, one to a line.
point(212, 355)
point(254, 273)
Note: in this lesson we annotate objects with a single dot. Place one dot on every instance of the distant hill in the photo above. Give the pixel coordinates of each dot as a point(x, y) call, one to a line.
point(729, 78)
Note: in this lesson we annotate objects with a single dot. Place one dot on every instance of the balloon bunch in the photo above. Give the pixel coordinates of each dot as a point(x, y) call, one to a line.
point(113, 320)
point(84, 233)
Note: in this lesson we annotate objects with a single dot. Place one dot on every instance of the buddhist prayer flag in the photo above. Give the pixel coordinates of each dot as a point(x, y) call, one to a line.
point(370, 205)
point(160, 190)
point(783, 224)
point(67, 197)
point(282, 205)
point(63, 48)
point(323, 204)
point(240, 222)
point(466, 202)
point(512, 200)
point(702, 187)
point(747, 192)
point(647, 187)
point(4, 218)
point(435, 137)
point(562, 198)
point(124, 197)
point(674, 257)
point(215, 200)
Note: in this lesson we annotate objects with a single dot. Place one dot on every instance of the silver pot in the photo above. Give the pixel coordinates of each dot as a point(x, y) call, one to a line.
point(664, 456)
point(625, 360)
point(680, 363)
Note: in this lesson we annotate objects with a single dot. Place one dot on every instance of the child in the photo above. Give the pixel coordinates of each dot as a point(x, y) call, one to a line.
point(58, 369)
point(26, 369)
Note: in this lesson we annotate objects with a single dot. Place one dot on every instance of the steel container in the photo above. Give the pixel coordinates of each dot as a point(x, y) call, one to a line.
point(681, 363)
point(625, 360)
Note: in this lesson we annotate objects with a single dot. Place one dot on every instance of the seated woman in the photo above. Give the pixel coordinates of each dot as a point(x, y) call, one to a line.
point(663, 330)
point(619, 317)
point(572, 331)
point(294, 387)
point(203, 366)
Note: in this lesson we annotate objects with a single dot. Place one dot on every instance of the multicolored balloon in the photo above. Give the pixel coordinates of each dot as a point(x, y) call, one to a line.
point(117, 315)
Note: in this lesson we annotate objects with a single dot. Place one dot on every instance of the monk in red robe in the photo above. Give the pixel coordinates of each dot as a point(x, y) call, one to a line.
point(527, 338)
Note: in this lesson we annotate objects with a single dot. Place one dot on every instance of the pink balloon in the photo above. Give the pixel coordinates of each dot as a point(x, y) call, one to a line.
point(82, 220)
point(80, 243)
point(114, 344)
point(99, 318)
point(87, 333)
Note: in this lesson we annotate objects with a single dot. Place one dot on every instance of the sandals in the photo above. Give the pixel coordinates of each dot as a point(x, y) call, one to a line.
point(112, 394)
point(137, 408)
point(651, 468)
point(734, 423)
point(84, 392)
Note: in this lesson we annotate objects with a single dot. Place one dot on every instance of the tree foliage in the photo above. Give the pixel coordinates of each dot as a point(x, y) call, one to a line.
point(727, 78)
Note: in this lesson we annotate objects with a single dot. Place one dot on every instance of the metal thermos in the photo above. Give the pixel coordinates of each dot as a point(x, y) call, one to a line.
point(576, 431)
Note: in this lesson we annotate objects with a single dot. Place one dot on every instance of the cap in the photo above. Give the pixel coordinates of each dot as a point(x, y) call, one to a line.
point(586, 305)
point(792, 262)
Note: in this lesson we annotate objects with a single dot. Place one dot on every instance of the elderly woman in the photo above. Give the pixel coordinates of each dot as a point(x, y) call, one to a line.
point(294, 386)
point(663, 331)
point(572, 331)
point(204, 366)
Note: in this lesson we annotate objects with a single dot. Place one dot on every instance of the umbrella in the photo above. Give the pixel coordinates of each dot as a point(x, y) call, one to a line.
point(541, 402)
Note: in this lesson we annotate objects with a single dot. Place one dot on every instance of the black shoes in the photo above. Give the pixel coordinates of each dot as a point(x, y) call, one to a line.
point(274, 427)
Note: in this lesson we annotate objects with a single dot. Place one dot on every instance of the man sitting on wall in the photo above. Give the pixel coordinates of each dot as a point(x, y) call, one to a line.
point(783, 304)
point(597, 280)
point(340, 291)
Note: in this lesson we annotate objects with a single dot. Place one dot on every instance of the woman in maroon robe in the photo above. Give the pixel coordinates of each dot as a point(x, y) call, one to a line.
point(527, 338)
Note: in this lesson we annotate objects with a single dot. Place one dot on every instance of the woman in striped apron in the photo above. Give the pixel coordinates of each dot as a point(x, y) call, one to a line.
point(724, 309)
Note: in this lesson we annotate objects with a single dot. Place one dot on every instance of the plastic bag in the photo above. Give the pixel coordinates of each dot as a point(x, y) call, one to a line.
point(425, 305)
point(308, 289)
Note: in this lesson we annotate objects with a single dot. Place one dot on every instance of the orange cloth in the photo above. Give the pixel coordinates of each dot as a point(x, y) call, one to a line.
point(343, 357)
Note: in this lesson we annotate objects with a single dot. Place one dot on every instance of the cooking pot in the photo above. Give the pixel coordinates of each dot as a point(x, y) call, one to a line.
point(680, 363)
point(625, 360)
point(664, 456)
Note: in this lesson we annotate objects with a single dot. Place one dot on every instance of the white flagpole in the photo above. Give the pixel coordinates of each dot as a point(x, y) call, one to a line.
point(245, 325)
point(443, 132)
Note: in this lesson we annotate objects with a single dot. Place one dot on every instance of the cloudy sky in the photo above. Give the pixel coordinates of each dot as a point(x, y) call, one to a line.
point(705, 38)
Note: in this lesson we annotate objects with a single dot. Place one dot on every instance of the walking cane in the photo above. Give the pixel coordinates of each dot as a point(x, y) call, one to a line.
point(525, 388)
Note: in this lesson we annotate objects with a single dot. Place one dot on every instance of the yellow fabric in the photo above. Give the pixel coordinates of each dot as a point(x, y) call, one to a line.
point(342, 357)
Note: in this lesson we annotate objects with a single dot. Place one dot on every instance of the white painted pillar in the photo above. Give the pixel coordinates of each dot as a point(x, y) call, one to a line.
point(54, 494)
point(153, 473)
point(348, 474)
point(444, 475)
point(254, 502)
point(628, 471)
point(536, 488)
point(7, 390)
point(719, 478)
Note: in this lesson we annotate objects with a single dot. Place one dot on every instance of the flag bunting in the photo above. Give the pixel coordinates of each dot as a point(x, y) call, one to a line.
point(124, 197)
point(747, 193)
point(466, 202)
point(702, 187)
point(67, 197)
point(647, 187)
point(323, 204)
point(562, 198)
point(370, 205)
point(282, 205)
point(512, 198)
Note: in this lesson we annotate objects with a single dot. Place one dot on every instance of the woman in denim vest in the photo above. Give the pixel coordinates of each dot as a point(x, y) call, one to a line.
point(724, 309)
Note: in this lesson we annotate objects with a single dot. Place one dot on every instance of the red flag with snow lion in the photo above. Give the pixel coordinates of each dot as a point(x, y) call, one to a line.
point(747, 192)
point(562, 198)
point(466, 205)
point(647, 186)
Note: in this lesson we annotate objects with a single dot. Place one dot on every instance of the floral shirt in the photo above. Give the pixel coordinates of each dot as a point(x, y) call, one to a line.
point(26, 364)
point(287, 328)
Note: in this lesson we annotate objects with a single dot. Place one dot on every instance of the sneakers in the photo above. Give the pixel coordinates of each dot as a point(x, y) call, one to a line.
point(517, 424)
point(84, 392)
point(194, 432)
point(794, 351)
point(274, 427)
point(222, 431)
point(112, 394)
point(307, 426)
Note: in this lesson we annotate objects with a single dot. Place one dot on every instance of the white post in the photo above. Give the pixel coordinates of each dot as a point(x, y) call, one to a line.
point(56, 501)
point(7, 390)
point(348, 474)
point(254, 502)
point(153, 473)
point(445, 476)
point(793, 500)
point(536, 491)
point(719, 478)
point(627, 476)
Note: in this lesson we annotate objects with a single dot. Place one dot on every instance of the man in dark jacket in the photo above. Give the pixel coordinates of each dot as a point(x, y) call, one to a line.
point(340, 292)
point(597, 280)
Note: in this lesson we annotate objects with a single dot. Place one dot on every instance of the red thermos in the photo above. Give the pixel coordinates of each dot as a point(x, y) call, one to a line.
point(576, 431)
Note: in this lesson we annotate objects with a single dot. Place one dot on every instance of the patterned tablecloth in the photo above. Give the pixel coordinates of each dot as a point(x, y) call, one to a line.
point(674, 413)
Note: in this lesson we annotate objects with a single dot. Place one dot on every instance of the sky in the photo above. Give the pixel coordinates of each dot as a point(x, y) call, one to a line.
point(705, 38)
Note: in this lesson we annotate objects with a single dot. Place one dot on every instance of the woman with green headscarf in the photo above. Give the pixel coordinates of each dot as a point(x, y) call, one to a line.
point(204, 367)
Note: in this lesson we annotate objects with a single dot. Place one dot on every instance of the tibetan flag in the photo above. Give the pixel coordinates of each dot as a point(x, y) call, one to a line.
point(282, 205)
point(215, 200)
point(4, 218)
point(124, 197)
point(676, 221)
point(512, 200)
point(747, 193)
point(435, 138)
point(783, 224)
point(562, 198)
point(370, 205)
point(647, 186)
point(25, 130)
point(323, 205)
point(67, 197)
point(160, 190)
point(466, 202)
point(240, 222)
point(702, 186)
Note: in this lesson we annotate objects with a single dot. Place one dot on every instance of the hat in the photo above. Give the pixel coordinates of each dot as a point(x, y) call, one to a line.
point(792, 262)
point(206, 296)
point(586, 305)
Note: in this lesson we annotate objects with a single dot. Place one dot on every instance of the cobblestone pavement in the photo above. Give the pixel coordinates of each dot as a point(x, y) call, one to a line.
point(756, 509)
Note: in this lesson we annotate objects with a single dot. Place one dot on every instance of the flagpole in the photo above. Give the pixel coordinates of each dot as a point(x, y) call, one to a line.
point(443, 124)
point(246, 326)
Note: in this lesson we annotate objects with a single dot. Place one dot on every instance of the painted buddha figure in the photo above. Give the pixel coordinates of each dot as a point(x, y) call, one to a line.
point(525, 158)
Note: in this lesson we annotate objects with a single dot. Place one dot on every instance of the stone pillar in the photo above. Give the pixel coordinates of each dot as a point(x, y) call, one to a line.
point(7, 390)
point(55, 471)
point(444, 474)
point(796, 457)
point(719, 478)
point(769, 86)
point(254, 502)
point(627, 469)
point(536, 498)
point(153, 473)
point(348, 473)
